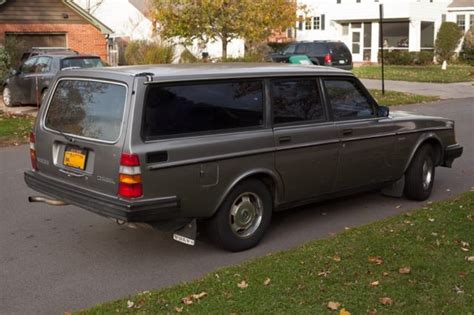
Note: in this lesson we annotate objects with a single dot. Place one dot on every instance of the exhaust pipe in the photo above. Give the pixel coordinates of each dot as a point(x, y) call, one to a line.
point(51, 202)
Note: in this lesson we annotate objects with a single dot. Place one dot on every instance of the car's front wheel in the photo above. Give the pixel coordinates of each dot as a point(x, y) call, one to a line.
point(419, 176)
point(7, 96)
point(242, 219)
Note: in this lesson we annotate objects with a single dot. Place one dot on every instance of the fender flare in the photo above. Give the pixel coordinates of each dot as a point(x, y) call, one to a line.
point(278, 182)
point(424, 138)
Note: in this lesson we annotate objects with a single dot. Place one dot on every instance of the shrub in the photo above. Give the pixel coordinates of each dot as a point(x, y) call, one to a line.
point(405, 58)
point(141, 52)
point(4, 65)
point(423, 58)
point(188, 57)
point(447, 40)
point(277, 47)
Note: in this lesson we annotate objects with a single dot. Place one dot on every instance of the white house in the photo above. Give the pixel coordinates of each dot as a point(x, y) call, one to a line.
point(408, 24)
point(130, 19)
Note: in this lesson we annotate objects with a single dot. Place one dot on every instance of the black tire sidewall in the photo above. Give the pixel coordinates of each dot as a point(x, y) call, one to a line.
point(414, 176)
point(219, 226)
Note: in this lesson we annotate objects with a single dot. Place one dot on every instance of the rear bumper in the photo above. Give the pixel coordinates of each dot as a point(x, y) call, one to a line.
point(150, 210)
point(451, 153)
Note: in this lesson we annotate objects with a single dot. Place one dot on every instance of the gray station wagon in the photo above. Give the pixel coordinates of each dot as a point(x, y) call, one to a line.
point(224, 145)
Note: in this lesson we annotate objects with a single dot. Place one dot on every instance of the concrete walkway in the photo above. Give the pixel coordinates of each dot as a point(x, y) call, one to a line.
point(443, 90)
point(18, 110)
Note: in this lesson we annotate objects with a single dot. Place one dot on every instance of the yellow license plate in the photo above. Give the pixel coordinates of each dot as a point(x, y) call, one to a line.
point(75, 158)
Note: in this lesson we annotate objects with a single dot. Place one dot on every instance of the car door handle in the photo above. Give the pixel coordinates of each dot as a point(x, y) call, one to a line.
point(347, 132)
point(284, 139)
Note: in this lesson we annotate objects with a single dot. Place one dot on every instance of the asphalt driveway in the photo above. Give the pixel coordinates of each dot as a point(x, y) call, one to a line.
point(55, 259)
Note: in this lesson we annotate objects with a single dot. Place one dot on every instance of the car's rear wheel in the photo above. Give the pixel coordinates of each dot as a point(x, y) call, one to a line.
point(242, 219)
point(7, 96)
point(419, 176)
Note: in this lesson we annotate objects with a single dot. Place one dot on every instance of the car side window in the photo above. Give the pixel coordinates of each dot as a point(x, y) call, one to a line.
point(29, 65)
point(43, 64)
point(202, 107)
point(296, 100)
point(301, 49)
point(290, 49)
point(347, 100)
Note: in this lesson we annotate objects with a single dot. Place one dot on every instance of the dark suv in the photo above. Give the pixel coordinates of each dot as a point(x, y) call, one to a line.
point(320, 52)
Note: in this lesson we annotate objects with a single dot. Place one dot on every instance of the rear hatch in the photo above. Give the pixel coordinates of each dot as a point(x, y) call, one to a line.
point(340, 54)
point(80, 135)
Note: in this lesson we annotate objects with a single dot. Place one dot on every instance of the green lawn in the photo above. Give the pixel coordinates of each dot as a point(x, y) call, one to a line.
point(15, 129)
point(454, 73)
point(392, 98)
point(421, 262)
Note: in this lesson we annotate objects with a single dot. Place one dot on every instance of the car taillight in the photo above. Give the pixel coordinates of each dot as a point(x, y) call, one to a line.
point(34, 161)
point(327, 59)
point(130, 176)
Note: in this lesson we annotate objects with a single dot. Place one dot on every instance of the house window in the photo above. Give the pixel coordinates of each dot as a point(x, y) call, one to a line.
point(323, 22)
point(471, 20)
point(300, 22)
point(345, 29)
point(338, 1)
point(316, 23)
point(358, 1)
point(443, 18)
point(461, 21)
point(307, 23)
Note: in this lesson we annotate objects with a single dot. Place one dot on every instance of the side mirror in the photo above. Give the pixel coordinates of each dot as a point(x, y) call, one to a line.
point(383, 111)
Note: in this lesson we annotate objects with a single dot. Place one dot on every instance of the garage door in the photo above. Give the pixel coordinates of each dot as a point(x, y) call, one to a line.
point(26, 41)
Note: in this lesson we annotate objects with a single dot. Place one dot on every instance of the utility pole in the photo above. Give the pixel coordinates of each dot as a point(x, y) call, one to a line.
point(381, 47)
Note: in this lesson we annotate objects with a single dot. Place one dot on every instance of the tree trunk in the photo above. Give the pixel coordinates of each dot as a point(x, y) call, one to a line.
point(224, 47)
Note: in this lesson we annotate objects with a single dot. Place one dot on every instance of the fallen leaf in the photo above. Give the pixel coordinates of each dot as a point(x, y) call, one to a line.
point(404, 270)
point(199, 295)
point(465, 244)
point(333, 306)
point(464, 249)
point(179, 309)
point(130, 304)
point(448, 189)
point(374, 283)
point(336, 258)
point(243, 284)
point(458, 290)
point(373, 311)
point(470, 258)
point(187, 300)
point(398, 207)
point(434, 234)
point(267, 281)
point(323, 273)
point(375, 260)
point(344, 312)
point(385, 274)
point(386, 301)
point(431, 219)
point(347, 228)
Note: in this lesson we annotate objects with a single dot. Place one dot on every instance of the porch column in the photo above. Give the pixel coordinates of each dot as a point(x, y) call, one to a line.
point(374, 51)
point(414, 36)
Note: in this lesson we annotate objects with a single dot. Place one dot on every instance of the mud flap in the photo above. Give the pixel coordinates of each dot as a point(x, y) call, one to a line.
point(187, 234)
point(395, 189)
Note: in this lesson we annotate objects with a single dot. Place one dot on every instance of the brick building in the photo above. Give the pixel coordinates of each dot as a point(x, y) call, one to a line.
point(52, 23)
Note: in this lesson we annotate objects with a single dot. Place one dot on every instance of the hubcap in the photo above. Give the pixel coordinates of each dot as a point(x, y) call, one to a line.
point(427, 173)
point(246, 214)
point(6, 96)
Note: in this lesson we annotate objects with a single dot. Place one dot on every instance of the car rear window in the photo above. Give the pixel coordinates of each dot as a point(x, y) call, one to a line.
point(339, 49)
point(190, 108)
point(90, 109)
point(89, 62)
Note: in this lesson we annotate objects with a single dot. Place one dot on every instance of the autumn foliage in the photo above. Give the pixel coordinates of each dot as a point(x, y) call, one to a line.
point(224, 20)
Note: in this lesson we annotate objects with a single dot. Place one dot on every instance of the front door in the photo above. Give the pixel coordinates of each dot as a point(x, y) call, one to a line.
point(367, 141)
point(305, 139)
point(356, 44)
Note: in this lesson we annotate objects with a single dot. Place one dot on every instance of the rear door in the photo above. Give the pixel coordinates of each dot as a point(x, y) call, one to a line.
point(367, 141)
point(80, 137)
point(24, 81)
point(306, 140)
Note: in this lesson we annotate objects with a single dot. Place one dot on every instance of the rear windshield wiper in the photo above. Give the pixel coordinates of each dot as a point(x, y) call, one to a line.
point(67, 137)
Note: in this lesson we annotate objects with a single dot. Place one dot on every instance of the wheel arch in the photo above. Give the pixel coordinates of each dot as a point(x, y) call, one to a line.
point(268, 177)
point(431, 139)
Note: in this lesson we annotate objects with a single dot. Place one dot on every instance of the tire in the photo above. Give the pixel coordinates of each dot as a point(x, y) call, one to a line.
point(243, 217)
point(420, 175)
point(7, 96)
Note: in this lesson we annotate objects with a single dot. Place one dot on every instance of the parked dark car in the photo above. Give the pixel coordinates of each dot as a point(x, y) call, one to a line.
point(224, 145)
point(320, 52)
point(31, 81)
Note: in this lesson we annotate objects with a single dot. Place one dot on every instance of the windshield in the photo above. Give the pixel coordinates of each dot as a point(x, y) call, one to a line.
point(87, 62)
point(90, 109)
